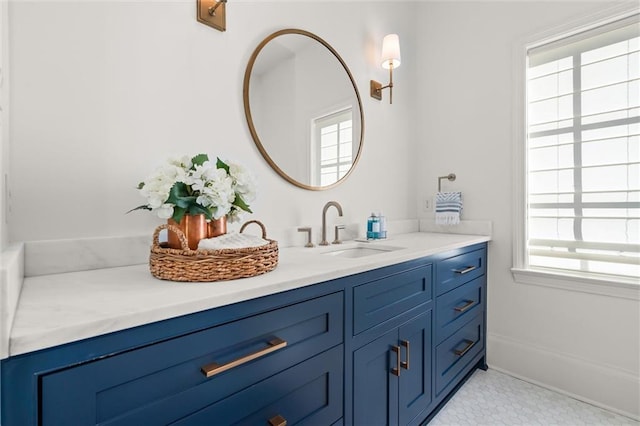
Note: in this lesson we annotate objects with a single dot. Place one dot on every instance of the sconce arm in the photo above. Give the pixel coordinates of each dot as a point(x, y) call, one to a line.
point(377, 88)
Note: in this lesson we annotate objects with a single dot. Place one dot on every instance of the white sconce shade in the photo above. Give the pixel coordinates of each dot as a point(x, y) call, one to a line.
point(390, 51)
point(390, 59)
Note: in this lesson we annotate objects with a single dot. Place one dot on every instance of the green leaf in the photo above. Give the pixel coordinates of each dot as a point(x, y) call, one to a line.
point(199, 159)
point(179, 195)
point(186, 202)
point(178, 213)
point(239, 202)
point(140, 185)
point(143, 207)
point(198, 209)
point(222, 165)
point(179, 189)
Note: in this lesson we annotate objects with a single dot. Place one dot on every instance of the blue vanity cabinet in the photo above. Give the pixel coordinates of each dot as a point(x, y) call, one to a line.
point(460, 327)
point(388, 346)
point(435, 313)
point(392, 373)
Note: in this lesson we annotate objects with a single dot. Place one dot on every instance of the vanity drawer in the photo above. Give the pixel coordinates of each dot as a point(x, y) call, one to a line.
point(457, 270)
point(310, 393)
point(455, 353)
point(165, 382)
point(457, 306)
point(378, 301)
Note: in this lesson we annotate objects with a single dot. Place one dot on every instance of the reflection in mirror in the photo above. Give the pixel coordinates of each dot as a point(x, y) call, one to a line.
point(303, 109)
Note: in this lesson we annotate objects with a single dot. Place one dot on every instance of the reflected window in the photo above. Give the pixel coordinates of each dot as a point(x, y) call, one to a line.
point(333, 141)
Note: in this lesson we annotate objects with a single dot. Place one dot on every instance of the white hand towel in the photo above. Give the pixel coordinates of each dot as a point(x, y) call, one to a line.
point(448, 208)
point(232, 240)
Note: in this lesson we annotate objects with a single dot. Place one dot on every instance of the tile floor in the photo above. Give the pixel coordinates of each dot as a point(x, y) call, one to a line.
point(493, 398)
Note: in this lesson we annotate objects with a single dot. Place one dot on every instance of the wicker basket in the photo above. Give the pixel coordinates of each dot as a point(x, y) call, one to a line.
point(210, 265)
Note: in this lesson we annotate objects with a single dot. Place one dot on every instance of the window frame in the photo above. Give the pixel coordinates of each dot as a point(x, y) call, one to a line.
point(316, 151)
point(614, 286)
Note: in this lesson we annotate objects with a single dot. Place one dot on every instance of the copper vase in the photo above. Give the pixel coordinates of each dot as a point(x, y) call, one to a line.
point(194, 228)
point(218, 227)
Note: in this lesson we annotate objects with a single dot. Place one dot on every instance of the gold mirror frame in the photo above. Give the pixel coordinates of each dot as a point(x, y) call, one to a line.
point(254, 133)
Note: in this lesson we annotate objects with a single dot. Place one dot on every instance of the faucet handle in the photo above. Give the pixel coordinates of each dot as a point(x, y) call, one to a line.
point(337, 236)
point(307, 229)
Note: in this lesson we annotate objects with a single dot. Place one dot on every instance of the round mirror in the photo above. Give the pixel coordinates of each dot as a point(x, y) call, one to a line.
point(303, 109)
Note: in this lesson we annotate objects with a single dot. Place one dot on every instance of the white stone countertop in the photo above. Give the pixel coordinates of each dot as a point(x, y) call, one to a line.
point(66, 307)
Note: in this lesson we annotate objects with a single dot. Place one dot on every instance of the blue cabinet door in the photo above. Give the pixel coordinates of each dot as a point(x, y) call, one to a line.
point(375, 387)
point(415, 375)
point(392, 375)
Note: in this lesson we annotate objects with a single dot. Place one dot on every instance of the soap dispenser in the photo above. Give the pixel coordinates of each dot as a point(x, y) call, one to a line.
point(370, 222)
point(373, 227)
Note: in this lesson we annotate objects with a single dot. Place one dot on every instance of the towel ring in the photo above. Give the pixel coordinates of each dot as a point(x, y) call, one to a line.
point(450, 177)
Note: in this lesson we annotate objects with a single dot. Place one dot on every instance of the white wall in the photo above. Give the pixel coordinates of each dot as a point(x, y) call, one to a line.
point(582, 344)
point(104, 91)
point(4, 127)
point(4, 121)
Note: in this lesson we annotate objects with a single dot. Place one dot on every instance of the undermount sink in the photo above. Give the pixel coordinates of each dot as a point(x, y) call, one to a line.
point(361, 250)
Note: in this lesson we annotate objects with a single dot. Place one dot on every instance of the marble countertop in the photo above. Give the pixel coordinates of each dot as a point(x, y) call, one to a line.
point(66, 307)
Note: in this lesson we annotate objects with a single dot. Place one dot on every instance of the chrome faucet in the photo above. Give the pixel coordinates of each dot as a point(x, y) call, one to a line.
point(335, 204)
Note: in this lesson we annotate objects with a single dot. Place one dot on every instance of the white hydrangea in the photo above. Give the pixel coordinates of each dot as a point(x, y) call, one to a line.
point(165, 211)
point(211, 187)
point(215, 188)
point(157, 186)
point(244, 182)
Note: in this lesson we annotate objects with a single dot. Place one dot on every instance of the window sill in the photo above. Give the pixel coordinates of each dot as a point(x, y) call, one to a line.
point(624, 288)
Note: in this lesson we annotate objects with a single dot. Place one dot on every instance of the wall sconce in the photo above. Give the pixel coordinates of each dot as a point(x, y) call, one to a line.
point(213, 13)
point(390, 59)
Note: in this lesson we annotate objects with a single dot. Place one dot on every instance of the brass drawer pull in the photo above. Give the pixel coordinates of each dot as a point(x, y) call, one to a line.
point(215, 368)
point(465, 270)
point(404, 364)
point(396, 371)
point(464, 307)
point(459, 352)
point(277, 420)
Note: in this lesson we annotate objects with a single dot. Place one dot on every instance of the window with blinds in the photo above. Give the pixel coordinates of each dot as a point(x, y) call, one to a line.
point(583, 151)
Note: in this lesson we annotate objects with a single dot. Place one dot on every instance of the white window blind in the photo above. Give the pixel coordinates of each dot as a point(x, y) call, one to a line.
point(583, 151)
point(334, 142)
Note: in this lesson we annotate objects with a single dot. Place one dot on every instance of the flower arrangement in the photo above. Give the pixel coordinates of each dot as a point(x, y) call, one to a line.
point(198, 186)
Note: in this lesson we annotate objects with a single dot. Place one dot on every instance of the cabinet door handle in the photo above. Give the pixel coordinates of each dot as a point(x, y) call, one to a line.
point(405, 364)
point(464, 307)
point(396, 371)
point(215, 368)
point(461, 352)
point(465, 270)
point(277, 420)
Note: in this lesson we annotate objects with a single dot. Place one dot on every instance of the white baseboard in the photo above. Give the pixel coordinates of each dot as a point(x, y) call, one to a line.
point(606, 387)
